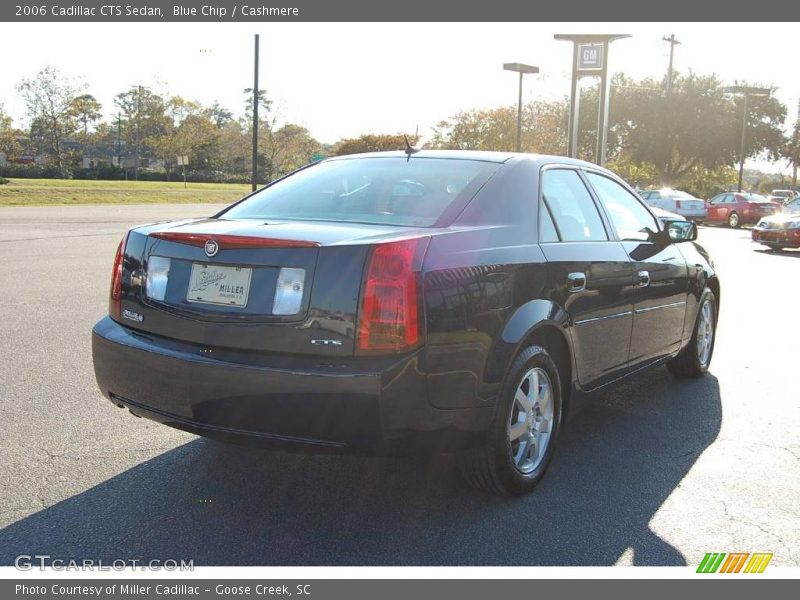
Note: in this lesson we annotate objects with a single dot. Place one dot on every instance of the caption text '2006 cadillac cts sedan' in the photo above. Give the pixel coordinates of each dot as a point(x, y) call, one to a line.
point(453, 302)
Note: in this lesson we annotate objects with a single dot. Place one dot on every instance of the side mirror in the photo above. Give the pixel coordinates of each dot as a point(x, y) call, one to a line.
point(680, 231)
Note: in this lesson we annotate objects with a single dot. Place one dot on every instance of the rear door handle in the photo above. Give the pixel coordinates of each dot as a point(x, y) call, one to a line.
point(643, 278)
point(576, 281)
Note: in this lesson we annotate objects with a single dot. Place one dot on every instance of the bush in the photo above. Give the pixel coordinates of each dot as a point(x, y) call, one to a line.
point(109, 172)
point(35, 172)
point(3, 181)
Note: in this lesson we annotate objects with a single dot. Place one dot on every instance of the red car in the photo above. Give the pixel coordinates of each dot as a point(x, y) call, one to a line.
point(737, 208)
point(780, 231)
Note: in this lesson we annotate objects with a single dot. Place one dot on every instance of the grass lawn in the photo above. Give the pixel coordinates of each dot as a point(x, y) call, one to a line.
point(33, 192)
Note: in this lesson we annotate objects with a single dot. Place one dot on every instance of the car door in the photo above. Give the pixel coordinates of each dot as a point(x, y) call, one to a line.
point(660, 272)
point(718, 207)
point(589, 274)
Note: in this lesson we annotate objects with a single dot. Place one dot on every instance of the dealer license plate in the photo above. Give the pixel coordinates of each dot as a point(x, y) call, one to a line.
point(215, 284)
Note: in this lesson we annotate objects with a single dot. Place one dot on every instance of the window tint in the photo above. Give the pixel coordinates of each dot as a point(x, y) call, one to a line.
point(547, 231)
point(630, 218)
point(572, 207)
point(395, 191)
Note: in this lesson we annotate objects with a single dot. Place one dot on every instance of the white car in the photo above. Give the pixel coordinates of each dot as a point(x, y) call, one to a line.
point(676, 201)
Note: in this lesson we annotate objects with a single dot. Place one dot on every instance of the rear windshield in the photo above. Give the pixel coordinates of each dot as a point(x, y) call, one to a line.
point(394, 191)
point(678, 195)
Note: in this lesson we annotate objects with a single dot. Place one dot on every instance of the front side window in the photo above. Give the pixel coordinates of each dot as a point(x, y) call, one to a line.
point(571, 206)
point(630, 217)
point(411, 192)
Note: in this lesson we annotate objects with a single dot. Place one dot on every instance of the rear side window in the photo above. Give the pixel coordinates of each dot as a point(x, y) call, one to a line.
point(571, 206)
point(413, 192)
point(630, 217)
point(547, 230)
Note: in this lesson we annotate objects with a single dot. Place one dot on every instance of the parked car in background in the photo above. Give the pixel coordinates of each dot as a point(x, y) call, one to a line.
point(336, 310)
point(780, 230)
point(782, 196)
point(738, 208)
point(676, 201)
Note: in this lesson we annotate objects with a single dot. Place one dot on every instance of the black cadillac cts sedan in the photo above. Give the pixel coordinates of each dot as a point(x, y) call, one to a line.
point(455, 302)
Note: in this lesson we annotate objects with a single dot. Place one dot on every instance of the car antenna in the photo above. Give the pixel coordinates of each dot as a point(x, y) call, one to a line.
point(409, 148)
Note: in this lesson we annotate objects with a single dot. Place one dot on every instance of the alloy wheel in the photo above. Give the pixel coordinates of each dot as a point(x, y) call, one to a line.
point(705, 333)
point(531, 420)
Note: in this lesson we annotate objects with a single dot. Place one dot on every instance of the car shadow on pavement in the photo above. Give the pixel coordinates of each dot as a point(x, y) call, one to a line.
point(617, 462)
point(784, 252)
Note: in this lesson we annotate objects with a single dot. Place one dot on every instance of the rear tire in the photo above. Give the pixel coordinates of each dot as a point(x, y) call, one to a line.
point(517, 449)
point(733, 220)
point(695, 358)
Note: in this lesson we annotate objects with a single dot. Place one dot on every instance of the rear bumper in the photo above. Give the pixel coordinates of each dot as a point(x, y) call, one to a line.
point(304, 403)
point(786, 238)
point(693, 214)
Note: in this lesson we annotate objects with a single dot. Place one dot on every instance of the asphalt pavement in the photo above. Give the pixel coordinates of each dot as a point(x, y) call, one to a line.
point(656, 472)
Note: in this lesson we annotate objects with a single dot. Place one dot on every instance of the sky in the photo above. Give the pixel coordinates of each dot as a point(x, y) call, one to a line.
point(344, 79)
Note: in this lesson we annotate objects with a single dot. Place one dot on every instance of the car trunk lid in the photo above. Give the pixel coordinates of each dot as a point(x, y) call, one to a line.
point(281, 286)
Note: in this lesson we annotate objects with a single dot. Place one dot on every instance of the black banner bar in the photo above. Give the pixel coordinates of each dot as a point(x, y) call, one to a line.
point(402, 10)
point(418, 589)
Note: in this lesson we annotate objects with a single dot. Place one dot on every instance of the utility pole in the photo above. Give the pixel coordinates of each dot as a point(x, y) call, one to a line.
point(138, 129)
point(119, 140)
point(254, 179)
point(672, 41)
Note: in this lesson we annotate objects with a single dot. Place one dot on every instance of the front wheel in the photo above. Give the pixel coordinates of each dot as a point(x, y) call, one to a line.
point(694, 359)
point(517, 450)
point(733, 220)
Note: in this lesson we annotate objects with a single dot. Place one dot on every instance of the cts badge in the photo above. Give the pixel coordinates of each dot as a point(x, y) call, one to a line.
point(211, 248)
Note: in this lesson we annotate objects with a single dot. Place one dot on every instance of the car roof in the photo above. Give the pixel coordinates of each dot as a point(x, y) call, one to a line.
point(481, 155)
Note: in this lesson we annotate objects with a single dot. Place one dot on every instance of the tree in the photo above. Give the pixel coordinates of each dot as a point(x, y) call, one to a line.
point(235, 148)
point(48, 98)
point(220, 115)
point(697, 126)
point(145, 121)
point(490, 129)
point(291, 147)
point(372, 142)
point(791, 150)
point(544, 129)
point(264, 105)
point(8, 135)
point(85, 109)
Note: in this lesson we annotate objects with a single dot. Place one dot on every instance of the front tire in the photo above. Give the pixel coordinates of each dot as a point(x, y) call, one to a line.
point(695, 358)
point(733, 220)
point(519, 445)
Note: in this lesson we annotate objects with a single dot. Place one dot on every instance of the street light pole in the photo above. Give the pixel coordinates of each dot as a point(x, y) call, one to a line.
point(744, 139)
point(254, 179)
point(746, 92)
point(522, 70)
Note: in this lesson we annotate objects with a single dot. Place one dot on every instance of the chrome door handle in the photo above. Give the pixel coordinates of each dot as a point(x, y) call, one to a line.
point(643, 278)
point(576, 281)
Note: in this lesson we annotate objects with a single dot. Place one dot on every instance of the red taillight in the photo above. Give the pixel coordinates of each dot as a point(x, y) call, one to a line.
point(677, 203)
point(115, 297)
point(389, 316)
